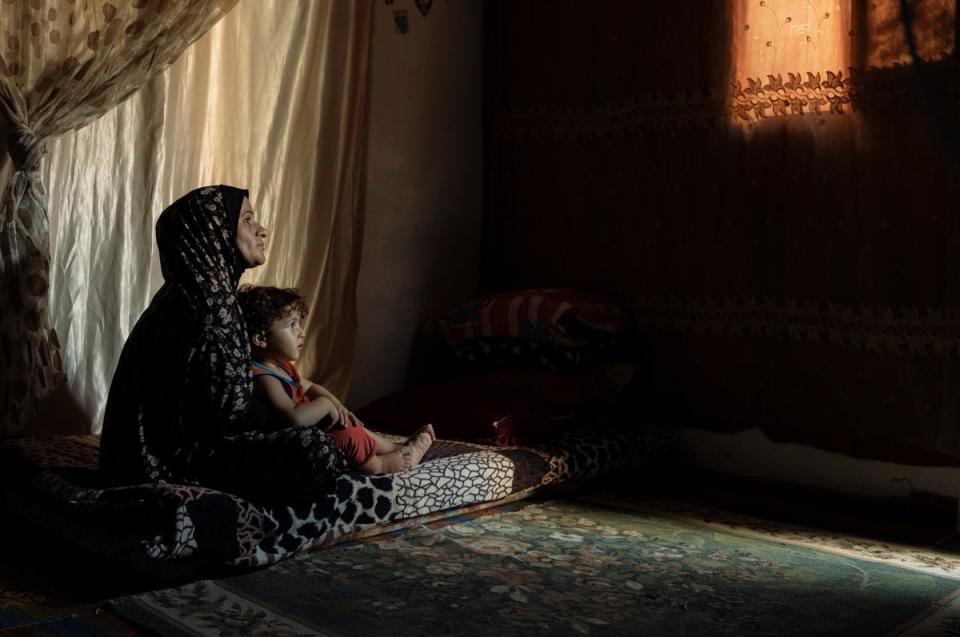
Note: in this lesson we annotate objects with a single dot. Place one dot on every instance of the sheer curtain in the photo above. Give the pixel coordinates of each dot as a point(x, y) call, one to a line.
point(272, 99)
point(62, 66)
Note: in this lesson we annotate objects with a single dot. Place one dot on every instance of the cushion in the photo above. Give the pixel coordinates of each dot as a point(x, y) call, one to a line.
point(559, 316)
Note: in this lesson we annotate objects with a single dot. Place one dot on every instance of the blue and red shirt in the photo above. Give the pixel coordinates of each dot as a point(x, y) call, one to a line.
point(291, 382)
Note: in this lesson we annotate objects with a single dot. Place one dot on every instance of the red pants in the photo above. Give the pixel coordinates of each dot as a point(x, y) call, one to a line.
point(357, 445)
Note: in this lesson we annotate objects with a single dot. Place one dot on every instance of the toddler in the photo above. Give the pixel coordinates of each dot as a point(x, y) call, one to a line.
point(273, 318)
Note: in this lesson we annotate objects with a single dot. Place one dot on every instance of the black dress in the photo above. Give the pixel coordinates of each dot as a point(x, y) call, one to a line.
point(179, 408)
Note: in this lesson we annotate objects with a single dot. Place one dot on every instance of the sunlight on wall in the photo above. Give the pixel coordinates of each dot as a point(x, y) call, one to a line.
point(802, 57)
point(799, 36)
point(790, 36)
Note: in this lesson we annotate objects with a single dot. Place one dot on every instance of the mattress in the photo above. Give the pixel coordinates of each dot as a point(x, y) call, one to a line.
point(51, 482)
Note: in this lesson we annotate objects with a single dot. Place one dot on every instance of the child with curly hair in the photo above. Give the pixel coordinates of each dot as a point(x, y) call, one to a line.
point(273, 318)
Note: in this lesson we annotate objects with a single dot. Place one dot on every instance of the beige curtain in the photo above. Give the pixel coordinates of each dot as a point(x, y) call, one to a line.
point(63, 64)
point(272, 99)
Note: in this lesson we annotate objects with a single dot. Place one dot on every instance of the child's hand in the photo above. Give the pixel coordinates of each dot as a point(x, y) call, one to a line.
point(351, 419)
point(344, 416)
point(341, 415)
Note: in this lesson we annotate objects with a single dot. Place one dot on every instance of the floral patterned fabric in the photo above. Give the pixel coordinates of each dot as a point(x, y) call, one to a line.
point(64, 65)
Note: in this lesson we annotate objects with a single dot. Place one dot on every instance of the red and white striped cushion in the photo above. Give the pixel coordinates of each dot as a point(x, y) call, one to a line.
point(543, 314)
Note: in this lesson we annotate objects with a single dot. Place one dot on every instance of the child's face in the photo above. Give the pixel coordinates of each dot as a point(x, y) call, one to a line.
point(285, 338)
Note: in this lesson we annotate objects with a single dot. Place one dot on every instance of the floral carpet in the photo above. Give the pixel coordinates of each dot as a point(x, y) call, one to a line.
point(923, 558)
point(587, 566)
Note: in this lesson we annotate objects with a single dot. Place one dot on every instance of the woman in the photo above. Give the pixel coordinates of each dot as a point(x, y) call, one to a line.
point(179, 403)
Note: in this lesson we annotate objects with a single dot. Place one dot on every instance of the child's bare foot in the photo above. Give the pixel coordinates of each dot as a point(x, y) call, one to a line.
point(428, 429)
point(415, 448)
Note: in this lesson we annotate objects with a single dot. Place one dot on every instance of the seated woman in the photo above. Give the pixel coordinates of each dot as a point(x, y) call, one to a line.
point(179, 403)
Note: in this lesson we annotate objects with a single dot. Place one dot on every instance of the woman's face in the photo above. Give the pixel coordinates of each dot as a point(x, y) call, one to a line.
point(250, 236)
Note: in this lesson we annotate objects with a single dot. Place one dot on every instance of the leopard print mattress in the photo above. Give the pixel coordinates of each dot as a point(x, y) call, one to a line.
point(52, 482)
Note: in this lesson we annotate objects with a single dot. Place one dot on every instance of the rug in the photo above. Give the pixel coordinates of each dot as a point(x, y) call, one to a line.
point(941, 559)
point(585, 566)
point(20, 617)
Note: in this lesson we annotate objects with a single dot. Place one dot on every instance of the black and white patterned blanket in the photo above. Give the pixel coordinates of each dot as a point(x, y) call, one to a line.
point(51, 482)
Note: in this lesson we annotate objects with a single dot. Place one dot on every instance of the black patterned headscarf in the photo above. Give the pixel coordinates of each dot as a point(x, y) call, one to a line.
point(183, 379)
point(196, 237)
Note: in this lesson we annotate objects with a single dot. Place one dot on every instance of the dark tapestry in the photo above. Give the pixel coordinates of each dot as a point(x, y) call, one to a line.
point(788, 240)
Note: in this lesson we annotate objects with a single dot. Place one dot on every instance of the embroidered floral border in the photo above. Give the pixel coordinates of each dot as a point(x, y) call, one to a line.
point(779, 98)
point(745, 102)
point(653, 111)
point(903, 331)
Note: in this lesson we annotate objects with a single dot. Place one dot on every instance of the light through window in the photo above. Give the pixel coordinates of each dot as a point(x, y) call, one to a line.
point(778, 37)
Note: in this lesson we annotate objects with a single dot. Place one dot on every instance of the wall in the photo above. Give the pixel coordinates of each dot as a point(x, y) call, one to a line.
point(424, 181)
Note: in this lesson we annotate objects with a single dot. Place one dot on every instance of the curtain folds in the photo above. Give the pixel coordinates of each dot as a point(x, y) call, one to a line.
point(62, 66)
point(272, 99)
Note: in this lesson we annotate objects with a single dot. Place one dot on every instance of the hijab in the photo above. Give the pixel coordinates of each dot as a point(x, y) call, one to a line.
point(196, 238)
point(183, 378)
